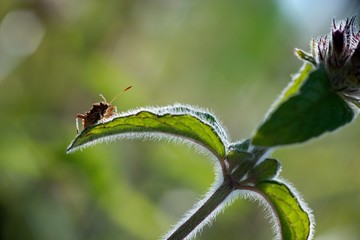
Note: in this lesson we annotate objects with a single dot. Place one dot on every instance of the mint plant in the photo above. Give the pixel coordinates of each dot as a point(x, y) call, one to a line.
point(323, 96)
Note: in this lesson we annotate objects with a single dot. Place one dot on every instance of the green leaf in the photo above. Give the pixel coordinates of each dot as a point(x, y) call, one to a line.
point(294, 219)
point(266, 170)
point(241, 146)
point(295, 84)
point(315, 110)
point(178, 121)
point(203, 115)
point(305, 56)
point(238, 163)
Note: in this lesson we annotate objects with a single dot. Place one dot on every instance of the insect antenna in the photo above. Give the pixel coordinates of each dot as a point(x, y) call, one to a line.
point(120, 93)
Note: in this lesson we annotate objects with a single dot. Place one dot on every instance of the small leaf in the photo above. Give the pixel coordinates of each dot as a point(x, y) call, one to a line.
point(295, 221)
point(314, 111)
point(266, 170)
point(305, 56)
point(179, 121)
point(241, 146)
point(238, 163)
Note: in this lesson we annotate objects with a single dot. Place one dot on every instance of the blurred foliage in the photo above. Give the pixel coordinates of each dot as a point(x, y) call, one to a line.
point(228, 56)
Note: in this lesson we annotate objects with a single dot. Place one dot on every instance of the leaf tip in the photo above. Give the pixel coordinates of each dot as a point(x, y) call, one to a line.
point(70, 148)
point(73, 146)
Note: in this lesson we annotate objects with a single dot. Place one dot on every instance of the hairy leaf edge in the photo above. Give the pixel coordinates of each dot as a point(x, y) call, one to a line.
point(234, 195)
point(298, 80)
point(292, 88)
point(256, 195)
point(169, 109)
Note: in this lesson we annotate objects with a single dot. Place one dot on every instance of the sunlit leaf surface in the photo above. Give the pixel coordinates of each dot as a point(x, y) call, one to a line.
point(294, 220)
point(179, 121)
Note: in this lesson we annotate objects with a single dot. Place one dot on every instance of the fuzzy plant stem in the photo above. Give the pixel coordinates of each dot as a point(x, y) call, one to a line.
point(216, 199)
point(204, 211)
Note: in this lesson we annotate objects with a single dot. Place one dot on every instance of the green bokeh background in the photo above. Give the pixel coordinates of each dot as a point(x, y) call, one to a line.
point(233, 57)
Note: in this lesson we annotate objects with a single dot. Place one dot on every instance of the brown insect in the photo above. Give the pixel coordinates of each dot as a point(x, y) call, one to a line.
point(98, 112)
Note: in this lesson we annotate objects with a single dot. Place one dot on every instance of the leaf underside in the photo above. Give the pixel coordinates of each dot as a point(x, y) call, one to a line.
point(294, 221)
point(315, 110)
point(179, 121)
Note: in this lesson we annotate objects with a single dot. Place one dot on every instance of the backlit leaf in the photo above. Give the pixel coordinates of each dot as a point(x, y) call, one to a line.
point(295, 221)
point(266, 170)
point(315, 110)
point(179, 121)
point(295, 84)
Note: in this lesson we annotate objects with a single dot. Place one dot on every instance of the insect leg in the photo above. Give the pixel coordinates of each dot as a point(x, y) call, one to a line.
point(81, 116)
point(77, 125)
point(110, 112)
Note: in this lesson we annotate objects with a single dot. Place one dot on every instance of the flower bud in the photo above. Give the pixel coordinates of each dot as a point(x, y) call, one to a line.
point(339, 51)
